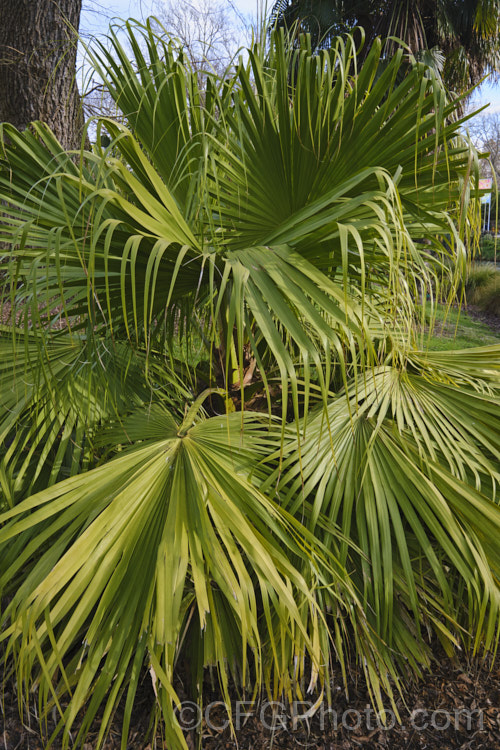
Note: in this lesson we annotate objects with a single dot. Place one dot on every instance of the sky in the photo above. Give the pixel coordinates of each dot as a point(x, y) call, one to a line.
point(489, 94)
point(97, 13)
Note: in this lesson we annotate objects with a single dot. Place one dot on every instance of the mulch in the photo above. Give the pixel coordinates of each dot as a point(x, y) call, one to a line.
point(455, 706)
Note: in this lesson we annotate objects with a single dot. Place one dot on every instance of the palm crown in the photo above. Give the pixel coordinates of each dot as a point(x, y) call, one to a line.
point(458, 37)
point(269, 233)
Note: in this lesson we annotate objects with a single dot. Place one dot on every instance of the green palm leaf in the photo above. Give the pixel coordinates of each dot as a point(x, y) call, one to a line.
point(407, 467)
point(125, 243)
point(60, 391)
point(117, 563)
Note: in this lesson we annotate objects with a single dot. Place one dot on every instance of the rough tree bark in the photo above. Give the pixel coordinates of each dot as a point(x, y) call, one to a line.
point(37, 66)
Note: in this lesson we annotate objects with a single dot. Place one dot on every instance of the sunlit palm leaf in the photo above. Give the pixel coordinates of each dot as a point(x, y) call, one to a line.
point(117, 562)
point(399, 467)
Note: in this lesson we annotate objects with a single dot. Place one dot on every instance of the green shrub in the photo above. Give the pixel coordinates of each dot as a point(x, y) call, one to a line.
point(482, 287)
point(488, 247)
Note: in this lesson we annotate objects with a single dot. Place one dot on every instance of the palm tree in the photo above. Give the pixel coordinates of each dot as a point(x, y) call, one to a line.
point(263, 241)
point(461, 38)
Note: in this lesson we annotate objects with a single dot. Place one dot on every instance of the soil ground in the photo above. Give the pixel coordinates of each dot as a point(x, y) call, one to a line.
point(456, 706)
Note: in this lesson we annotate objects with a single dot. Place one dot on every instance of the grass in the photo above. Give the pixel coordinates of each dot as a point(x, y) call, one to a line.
point(456, 329)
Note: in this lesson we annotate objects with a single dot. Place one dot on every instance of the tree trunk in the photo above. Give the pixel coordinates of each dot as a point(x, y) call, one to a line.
point(38, 66)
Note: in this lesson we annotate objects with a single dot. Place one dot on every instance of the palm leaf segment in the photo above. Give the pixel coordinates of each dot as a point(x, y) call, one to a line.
point(295, 208)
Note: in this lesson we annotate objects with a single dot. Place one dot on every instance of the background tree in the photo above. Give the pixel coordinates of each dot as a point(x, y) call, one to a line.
point(466, 31)
point(37, 66)
point(485, 132)
point(205, 29)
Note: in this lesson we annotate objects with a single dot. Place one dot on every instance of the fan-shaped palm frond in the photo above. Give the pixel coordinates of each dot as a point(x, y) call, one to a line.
point(407, 467)
point(57, 390)
point(260, 242)
point(167, 538)
point(466, 32)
